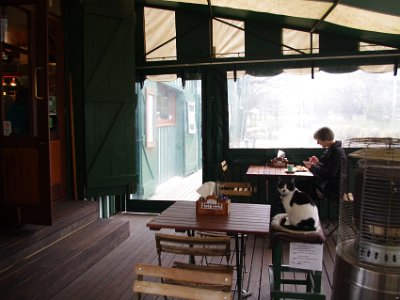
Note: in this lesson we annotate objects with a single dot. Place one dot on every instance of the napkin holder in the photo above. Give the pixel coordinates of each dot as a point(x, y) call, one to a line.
point(279, 162)
point(213, 206)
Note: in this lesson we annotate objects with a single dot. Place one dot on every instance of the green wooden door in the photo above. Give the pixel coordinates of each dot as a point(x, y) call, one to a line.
point(109, 81)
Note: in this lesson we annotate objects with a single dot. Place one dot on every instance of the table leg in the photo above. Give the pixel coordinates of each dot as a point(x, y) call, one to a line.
point(239, 249)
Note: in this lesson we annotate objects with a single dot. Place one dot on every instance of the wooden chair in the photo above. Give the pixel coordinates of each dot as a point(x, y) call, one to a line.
point(182, 283)
point(214, 268)
point(193, 246)
point(347, 198)
point(236, 189)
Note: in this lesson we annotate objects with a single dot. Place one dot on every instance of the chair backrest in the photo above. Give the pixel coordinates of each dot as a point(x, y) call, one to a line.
point(193, 246)
point(182, 283)
point(225, 171)
point(239, 189)
point(208, 268)
point(234, 188)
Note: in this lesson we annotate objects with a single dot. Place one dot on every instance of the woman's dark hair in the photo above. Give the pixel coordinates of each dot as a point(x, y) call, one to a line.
point(324, 134)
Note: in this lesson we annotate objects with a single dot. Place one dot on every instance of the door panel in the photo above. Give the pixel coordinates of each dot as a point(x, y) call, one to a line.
point(24, 153)
point(109, 97)
point(20, 164)
point(56, 167)
point(57, 111)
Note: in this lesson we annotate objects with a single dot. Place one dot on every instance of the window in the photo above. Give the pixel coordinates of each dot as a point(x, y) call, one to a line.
point(160, 34)
point(228, 38)
point(373, 47)
point(150, 95)
point(299, 40)
point(284, 111)
point(166, 105)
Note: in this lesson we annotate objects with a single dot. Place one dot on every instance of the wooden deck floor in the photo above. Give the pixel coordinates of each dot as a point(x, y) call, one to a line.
point(112, 277)
point(179, 188)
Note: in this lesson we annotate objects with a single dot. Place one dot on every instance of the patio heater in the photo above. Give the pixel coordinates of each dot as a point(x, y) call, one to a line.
point(367, 262)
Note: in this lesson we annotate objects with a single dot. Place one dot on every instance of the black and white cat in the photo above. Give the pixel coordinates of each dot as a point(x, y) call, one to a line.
point(302, 213)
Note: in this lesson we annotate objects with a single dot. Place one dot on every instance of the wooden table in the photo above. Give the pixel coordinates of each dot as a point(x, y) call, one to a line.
point(244, 218)
point(271, 173)
point(262, 170)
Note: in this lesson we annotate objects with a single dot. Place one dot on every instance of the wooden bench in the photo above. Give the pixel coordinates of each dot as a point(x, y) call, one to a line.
point(182, 283)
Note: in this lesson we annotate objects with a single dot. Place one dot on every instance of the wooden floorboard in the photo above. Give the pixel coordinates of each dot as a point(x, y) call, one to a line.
point(179, 188)
point(112, 277)
point(115, 271)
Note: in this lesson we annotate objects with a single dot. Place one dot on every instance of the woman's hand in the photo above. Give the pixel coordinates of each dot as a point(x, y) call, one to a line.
point(314, 160)
point(308, 164)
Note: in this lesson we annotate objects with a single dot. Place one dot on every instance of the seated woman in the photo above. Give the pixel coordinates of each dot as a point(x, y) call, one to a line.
point(330, 168)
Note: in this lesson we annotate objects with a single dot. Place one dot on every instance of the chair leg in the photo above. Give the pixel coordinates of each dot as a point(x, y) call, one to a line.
point(332, 219)
point(312, 281)
point(276, 263)
point(317, 281)
point(309, 283)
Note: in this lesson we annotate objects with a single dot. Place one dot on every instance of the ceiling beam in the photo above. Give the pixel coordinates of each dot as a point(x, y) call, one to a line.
point(281, 60)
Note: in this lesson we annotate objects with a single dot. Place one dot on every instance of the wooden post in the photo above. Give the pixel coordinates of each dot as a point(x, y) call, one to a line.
point(72, 128)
